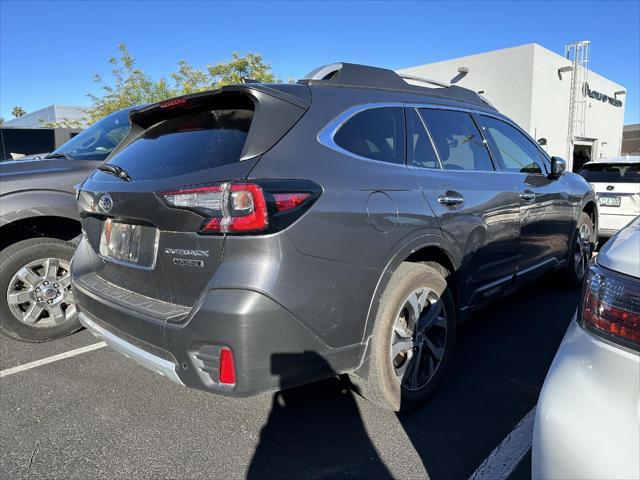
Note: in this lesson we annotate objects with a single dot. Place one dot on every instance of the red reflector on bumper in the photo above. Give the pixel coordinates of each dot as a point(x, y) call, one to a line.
point(227, 375)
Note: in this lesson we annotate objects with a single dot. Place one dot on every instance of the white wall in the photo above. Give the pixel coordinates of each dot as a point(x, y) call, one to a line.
point(504, 75)
point(550, 107)
point(52, 113)
point(523, 83)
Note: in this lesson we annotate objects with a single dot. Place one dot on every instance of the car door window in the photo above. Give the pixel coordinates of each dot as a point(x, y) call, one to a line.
point(457, 139)
point(419, 147)
point(375, 133)
point(514, 151)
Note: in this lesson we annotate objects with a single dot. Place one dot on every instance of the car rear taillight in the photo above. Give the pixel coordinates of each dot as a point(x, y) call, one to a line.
point(287, 201)
point(230, 207)
point(611, 306)
point(242, 207)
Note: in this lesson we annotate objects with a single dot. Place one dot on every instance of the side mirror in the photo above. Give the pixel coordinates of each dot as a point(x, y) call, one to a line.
point(558, 167)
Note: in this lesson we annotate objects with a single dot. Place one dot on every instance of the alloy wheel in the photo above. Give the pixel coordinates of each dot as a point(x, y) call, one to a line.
point(582, 250)
point(418, 339)
point(40, 295)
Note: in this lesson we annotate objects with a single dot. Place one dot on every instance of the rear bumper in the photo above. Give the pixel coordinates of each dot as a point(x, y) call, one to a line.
point(271, 348)
point(148, 360)
point(589, 412)
point(610, 223)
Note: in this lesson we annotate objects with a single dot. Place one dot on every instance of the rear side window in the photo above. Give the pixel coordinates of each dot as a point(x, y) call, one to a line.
point(459, 143)
point(185, 144)
point(376, 133)
point(419, 148)
point(611, 172)
point(515, 152)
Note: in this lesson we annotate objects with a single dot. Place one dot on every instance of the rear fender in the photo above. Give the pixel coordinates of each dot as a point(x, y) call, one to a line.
point(418, 243)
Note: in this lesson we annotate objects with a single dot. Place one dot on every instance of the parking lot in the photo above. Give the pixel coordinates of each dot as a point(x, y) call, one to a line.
point(96, 414)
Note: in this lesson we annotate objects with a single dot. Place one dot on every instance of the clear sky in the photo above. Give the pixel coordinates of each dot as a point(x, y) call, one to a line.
point(49, 51)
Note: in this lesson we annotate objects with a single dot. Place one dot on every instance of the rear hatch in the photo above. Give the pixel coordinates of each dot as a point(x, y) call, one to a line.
point(140, 241)
point(617, 186)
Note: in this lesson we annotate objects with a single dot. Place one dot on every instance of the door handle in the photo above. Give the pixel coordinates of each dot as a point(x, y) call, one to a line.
point(528, 196)
point(450, 199)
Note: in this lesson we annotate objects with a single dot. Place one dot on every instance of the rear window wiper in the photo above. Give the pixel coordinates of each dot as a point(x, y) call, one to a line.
point(59, 155)
point(115, 170)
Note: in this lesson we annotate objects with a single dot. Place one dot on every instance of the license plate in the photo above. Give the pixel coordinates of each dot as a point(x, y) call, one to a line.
point(129, 243)
point(609, 201)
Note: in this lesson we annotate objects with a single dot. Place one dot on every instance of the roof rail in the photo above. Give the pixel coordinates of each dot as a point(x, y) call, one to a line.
point(363, 76)
point(428, 81)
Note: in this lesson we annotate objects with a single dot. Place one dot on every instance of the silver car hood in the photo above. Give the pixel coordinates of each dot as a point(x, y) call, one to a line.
point(622, 252)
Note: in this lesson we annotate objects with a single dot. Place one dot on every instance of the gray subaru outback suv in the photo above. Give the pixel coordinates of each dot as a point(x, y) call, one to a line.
point(260, 236)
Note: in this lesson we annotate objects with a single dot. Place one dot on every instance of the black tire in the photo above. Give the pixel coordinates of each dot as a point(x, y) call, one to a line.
point(581, 250)
point(14, 258)
point(385, 384)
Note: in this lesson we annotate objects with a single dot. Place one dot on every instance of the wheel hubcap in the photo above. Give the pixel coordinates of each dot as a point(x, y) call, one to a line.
point(418, 338)
point(39, 294)
point(582, 251)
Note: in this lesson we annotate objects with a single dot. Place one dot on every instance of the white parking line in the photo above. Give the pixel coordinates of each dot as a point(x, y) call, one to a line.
point(54, 358)
point(506, 456)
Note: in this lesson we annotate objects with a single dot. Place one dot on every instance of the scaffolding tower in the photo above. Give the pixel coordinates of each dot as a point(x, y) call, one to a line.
point(578, 53)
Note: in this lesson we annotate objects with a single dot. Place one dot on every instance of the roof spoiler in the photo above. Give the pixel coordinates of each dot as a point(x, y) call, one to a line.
point(276, 109)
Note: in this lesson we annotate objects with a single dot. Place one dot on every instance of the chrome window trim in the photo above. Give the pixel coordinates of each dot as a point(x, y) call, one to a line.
point(325, 136)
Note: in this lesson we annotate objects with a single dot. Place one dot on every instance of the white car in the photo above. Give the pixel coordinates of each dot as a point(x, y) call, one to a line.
point(587, 421)
point(616, 182)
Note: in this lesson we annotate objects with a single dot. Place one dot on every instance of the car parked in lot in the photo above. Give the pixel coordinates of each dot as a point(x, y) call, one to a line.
point(588, 417)
point(38, 221)
point(616, 182)
point(349, 222)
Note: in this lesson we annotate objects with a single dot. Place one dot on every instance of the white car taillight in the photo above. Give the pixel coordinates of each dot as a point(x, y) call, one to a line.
point(611, 306)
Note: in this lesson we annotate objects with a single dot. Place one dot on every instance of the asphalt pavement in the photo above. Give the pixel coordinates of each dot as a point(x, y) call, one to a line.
point(98, 415)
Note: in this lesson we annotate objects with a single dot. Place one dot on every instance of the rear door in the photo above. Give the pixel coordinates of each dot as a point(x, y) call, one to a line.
point(546, 210)
point(476, 206)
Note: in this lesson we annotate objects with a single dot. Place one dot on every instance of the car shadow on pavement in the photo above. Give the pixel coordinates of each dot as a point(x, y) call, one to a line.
point(314, 431)
point(502, 355)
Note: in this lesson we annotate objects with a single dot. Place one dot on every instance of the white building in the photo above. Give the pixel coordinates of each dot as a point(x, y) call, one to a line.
point(47, 115)
point(532, 85)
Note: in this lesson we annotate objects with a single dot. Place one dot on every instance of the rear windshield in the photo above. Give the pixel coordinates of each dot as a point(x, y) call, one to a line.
point(611, 172)
point(185, 144)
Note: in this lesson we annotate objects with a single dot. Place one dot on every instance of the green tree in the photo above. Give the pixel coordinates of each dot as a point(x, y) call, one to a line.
point(130, 85)
point(18, 111)
point(250, 66)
